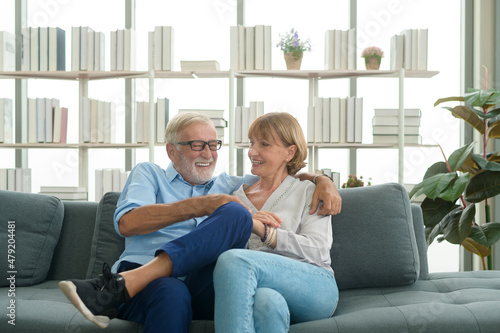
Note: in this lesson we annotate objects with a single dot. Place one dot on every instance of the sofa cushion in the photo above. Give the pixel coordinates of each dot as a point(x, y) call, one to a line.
point(32, 235)
point(373, 238)
point(107, 245)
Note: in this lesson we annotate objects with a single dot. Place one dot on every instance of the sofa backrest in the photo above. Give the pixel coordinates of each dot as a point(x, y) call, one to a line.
point(374, 239)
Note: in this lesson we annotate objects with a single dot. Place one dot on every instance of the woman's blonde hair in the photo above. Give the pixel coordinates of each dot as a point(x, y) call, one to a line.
point(288, 130)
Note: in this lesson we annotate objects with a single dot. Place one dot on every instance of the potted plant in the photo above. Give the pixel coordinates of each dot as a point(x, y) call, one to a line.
point(354, 181)
point(293, 48)
point(373, 56)
point(454, 187)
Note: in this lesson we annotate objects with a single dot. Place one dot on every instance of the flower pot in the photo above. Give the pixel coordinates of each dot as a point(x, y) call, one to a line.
point(372, 62)
point(293, 59)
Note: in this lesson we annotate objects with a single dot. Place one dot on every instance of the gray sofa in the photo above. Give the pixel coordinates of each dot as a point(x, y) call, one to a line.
point(379, 257)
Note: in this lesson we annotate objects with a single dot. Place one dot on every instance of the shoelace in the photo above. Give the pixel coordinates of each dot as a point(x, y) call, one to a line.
point(106, 275)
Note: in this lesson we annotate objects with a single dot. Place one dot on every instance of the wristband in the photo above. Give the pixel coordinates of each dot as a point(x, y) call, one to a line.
point(263, 239)
point(321, 174)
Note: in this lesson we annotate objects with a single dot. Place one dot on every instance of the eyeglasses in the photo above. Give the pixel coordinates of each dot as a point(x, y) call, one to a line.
point(199, 145)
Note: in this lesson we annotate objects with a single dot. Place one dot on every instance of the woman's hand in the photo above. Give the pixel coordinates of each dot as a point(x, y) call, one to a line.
point(262, 217)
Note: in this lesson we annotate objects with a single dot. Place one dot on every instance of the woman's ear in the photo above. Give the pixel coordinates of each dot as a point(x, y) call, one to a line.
point(291, 152)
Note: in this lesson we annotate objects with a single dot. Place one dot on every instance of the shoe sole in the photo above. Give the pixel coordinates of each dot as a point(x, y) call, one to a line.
point(69, 290)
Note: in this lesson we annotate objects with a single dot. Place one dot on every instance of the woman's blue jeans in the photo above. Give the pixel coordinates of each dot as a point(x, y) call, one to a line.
point(263, 292)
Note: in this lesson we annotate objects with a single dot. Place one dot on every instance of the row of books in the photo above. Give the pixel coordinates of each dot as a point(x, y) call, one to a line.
point(250, 47)
point(340, 49)
point(87, 49)
point(47, 121)
point(161, 115)
point(217, 117)
point(244, 117)
point(7, 51)
point(98, 121)
point(68, 193)
point(335, 176)
point(15, 179)
point(109, 180)
point(409, 50)
point(43, 49)
point(161, 41)
point(6, 121)
point(122, 50)
point(386, 130)
point(335, 120)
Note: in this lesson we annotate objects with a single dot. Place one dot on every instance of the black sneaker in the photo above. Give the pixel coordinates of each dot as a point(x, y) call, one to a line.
point(97, 299)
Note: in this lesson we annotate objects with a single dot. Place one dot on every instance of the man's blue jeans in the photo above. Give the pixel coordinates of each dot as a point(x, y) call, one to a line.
point(169, 304)
point(263, 292)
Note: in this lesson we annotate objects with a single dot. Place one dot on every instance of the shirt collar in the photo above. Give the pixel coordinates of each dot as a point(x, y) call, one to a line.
point(172, 174)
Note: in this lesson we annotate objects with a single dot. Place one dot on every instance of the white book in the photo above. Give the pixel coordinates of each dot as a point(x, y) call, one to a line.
point(157, 48)
point(49, 120)
point(40, 120)
point(43, 35)
point(199, 65)
point(85, 122)
point(129, 50)
point(34, 54)
point(151, 50)
point(67, 196)
point(11, 179)
point(101, 121)
point(245, 123)
point(6, 121)
point(123, 179)
point(84, 44)
point(57, 49)
point(268, 45)
point(93, 120)
point(395, 112)
point(329, 62)
point(75, 48)
point(167, 49)
point(107, 180)
point(63, 189)
point(233, 48)
point(26, 61)
point(3, 179)
point(7, 51)
point(358, 120)
point(397, 50)
point(344, 46)
point(109, 121)
point(18, 172)
point(422, 49)
point(310, 124)
point(326, 119)
point(241, 47)
point(25, 180)
point(116, 179)
point(2, 120)
point(414, 49)
point(407, 33)
point(260, 108)
point(318, 119)
point(99, 51)
point(351, 105)
point(335, 119)
point(98, 184)
point(249, 48)
point(338, 49)
point(394, 130)
point(32, 130)
point(57, 124)
point(237, 124)
point(146, 117)
point(394, 139)
point(259, 47)
point(120, 40)
point(162, 117)
point(90, 49)
point(343, 120)
point(210, 113)
point(113, 36)
point(394, 121)
point(253, 112)
point(351, 49)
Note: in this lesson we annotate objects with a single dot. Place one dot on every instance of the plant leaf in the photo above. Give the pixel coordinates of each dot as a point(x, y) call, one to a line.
point(469, 116)
point(481, 98)
point(436, 184)
point(494, 131)
point(434, 211)
point(486, 234)
point(455, 189)
point(469, 166)
point(485, 164)
point(449, 99)
point(492, 113)
point(449, 226)
point(482, 186)
point(458, 157)
point(474, 247)
point(438, 167)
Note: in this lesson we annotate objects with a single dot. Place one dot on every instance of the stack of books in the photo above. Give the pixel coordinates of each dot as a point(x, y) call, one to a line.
point(47, 121)
point(217, 117)
point(199, 65)
point(340, 49)
point(160, 51)
point(15, 179)
point(385, 126)
point(335, 176)
point(98, 121)
point(87, 49)
point(409, 50)
point(250, 47)
point(244, 117)
point(44, 49)
point(109, 180)
point(161, 115)
point(7, 52)
point(6, 121)
point(69, 193)
point(122, 50)
point(335, 120)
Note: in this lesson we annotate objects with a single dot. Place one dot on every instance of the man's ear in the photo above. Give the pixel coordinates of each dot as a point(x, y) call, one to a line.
point(171, 151)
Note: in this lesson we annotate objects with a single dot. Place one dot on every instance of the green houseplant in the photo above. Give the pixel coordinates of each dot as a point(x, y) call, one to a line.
point(454, 187)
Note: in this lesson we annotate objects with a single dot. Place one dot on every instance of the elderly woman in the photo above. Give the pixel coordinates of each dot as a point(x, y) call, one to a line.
point(288, 277)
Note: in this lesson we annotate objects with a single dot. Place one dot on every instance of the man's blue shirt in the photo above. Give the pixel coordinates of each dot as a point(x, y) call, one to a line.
point(150, 184)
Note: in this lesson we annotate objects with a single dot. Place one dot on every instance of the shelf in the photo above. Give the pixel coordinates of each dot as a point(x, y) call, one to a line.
point(74, 75)
point(351, 145)
point(333, 74)
point(72, 145)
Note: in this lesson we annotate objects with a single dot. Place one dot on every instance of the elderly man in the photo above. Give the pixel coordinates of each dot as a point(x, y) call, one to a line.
point(176, 222)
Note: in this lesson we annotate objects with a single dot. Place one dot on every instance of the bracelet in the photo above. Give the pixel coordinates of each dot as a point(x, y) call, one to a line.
point(321, 174)
point(271, 237)
point(263, 239)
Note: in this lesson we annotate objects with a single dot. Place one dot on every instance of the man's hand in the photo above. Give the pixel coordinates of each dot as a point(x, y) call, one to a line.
point(326, 192)
point(207, 204)
point(269, 218)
